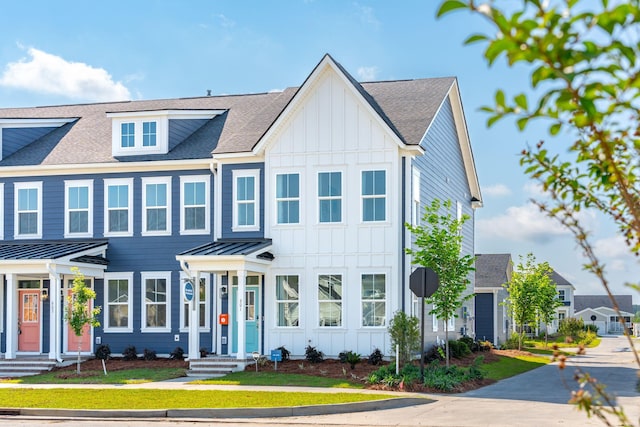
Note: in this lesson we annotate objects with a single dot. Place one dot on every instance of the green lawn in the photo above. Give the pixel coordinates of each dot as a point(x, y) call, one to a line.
point(170, 399)
point(280, 379)
point(129, 376)
point(509, 366)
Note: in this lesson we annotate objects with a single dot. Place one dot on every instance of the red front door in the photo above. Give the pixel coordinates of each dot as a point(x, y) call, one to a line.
point(72, 339)
point(29, 320)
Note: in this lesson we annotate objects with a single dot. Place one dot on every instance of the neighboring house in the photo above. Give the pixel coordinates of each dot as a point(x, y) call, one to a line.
point(566, 293)
point(492, 321)
point(598, 310)
point(280, 215)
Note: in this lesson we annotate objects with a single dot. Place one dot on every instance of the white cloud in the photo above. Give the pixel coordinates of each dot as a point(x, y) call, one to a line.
point(522, 223)
point(496, 190)
point(226, 22)
point(51, 74)
point(367, 74)
point(367, 15)
point(534, 189)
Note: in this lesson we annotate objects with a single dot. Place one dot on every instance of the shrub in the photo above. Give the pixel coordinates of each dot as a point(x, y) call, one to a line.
point(435, 352)
point(405, 332)
point(469, 342)
point(285, 353)
point(443, 378)
point(313, 355)
point(458, 349)
point(177, 354)
point(129, 353)
point(591, 328)
point(103, 352)
point(511, 342)
point(571, 326)
point(352, 359)
point(386, 375)
point(474, 372)
point(149, 354)
point(342, 357)
point(375, 358)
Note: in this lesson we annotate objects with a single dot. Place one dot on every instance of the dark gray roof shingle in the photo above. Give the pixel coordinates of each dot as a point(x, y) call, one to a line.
point(492, 270)
point(581, 302)
point(407, 106)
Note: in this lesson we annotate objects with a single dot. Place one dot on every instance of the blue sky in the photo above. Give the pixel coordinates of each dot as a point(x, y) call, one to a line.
point(67, 52)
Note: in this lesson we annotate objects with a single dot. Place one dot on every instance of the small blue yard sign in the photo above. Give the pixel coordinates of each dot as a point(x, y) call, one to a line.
point(276, 356)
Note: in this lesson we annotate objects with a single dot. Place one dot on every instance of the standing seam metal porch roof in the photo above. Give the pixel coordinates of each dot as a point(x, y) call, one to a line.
point(50, 249)
point(229, 247)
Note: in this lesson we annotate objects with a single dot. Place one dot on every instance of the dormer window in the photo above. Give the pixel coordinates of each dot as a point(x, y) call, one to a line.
point(137, 133)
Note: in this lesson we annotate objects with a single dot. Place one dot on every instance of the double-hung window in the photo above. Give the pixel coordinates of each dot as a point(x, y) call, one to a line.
point(28, 214)
point(288, 297)
point(330, 300)
point(330, 196)
point(156, 301)
point(148, 134)
point(156, 196)
point(118, 207)
point(288, 198)
point(374, 195)
point(203, 309)
point(78, 202)
point(374, 297)
point(246, 200)
point(194, 204)
point(127, 135)
point(1, 226)
point(416, 215)
point(118, 289)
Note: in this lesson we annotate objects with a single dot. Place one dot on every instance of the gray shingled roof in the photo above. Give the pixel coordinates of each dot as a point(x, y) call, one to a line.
point(407, 106)
point(492, 270)
point(559, 280)
point(581, 302)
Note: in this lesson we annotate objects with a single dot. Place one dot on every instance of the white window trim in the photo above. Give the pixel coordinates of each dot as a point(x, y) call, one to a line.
point(143, 305)
point(415, 191)
point(451, 326)
point(162, 136)
point(386, 303)
point(118, 276)
point(241, 173)
point(434, 322)
point(207, 203)
point(156, 180)
point(343, 277)
point(286, 199)
point(341, 197)
point(107, 184)
point(73, 184)
point(377, 196)
point(278, 301)
point(22, 186)
point(207, 307)
point(1, 223)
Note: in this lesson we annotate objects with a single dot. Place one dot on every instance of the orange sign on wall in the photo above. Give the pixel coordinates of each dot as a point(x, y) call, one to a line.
point(223, 319)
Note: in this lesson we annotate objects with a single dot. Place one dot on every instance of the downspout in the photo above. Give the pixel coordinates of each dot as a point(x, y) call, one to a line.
point(55, 306)
point(403, 242)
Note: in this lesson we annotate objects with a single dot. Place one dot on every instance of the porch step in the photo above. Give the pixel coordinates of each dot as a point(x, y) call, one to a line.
point(13, 368)
point(216, 367)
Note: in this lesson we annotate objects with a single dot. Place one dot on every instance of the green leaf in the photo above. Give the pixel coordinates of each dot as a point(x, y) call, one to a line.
point(450, 5)
point(500, 99)
point(522, 123)
point(521, 101)
point(474, 38)
point(555, 128)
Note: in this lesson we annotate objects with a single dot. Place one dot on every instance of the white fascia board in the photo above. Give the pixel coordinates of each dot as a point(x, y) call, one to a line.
point(243, 157)
point(113, 167)
point(465, 143)
point(171, 114)
point(35, 123)
point(327, 63)
point(485, 290)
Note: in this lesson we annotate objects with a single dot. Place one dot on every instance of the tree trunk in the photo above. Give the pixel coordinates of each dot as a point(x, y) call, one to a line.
point(446, 340)
point(79, 349)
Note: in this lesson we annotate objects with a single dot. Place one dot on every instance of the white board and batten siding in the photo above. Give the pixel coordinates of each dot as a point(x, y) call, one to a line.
point(332, 130)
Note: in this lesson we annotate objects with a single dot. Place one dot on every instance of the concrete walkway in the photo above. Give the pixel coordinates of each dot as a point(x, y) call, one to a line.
point(534, 398)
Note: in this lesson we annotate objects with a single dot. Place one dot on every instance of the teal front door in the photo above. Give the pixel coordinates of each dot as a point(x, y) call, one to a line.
point(251, 304)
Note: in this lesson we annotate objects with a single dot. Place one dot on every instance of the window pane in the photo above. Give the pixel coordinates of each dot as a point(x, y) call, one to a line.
point(281, 186)
point(287, 288)
point(118, 220)
point(79, 222)
point(127, 131)
point(28, 223)
point(156, 219)
point(148, 134)
point(379, 182)
point(336, 184)
point(118, 316)
point(379, 206)
point(294, 185)
point(367, 183)
point(324, 184)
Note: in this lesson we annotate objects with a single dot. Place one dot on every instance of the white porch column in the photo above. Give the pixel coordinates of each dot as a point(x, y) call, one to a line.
point(240, 316)
point(194, 319)
point(55, 321)
point(496, 320)
point(2, 309)
point(11, 328)
point(214, 292)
